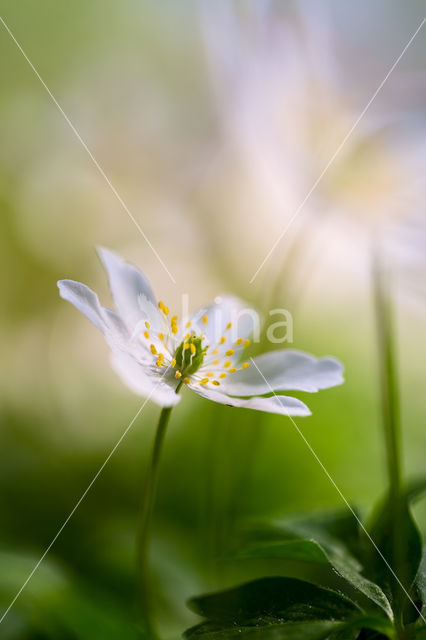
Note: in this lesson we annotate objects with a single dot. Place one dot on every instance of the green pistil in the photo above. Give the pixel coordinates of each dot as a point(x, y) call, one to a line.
point(190, 355)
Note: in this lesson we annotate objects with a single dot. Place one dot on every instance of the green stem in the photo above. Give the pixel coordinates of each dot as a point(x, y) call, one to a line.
point(391, 414)
point(389, 386)
point(148, 500)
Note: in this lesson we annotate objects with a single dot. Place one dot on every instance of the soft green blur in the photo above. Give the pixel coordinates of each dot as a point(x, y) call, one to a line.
point(136, 81)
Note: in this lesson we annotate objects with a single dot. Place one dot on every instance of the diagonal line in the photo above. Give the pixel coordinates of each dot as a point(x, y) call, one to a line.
point(78, 503)
point(343, 498)
point(336, 153)
point(92, 157)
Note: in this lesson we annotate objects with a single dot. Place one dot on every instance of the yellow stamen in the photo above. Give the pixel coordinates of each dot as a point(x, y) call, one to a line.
point(229, 325)
point(146, 334)
point(215, 362)
point(186, 336)
point(174, 329)
point(186, 345)
point(161, 357)
point(245, 365)
point(222, 340)
point(159, 363)
point(193, 349)
point(153, 350)
point(239, 341)
point(173, 320)
point(161, 336)
point(188, 324)
point(186, 380)
point(233, 370)
point(178, 374)
point(166, 311)
point(210, 374)
point(215, 352)
point(204, 381)
point(148, 326)
point(205, 319)
point(222, 375)
point(230, 352)
point(173, 362)
point(216, 382)
point(246, 343)
point(160, 305)
point(228, 363)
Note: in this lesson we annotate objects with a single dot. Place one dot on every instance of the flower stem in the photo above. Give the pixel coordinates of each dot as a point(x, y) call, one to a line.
point(148, 500)
point(389, 386)
point(391, 420)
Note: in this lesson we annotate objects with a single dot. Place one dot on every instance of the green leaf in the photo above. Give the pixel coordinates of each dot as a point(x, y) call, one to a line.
point(322, 548)
point(316, 630)
point(395, 567)
point(284, 630)
point(269, 600)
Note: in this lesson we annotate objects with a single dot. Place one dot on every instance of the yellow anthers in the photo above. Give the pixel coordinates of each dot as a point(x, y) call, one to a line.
point(216, 382)
point(186, 336)
point(222, 340)
point(161, 357)
point(233, 370)
point(193, 348)
point(161, 305)
point(246, 343)
point(173, 363)
point(228, 363)
point(223, 375)
point(215, 362)
point(210, 374)
point(186, 345)
point(229, 325)
point(178, 374)
point(173, 320)
point(215, 352)
point(204, 381)
point(245, 365)
point(230, 352)
point(188, 324)
point(174, 329)
point(205, 319)
point(239, 341)
point(186, 380)
point(153, 350)
point(165, 310)
point(146, 334)
point(161, 336)
point(159, 363)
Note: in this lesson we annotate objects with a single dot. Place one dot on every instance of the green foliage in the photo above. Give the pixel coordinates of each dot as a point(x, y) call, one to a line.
point(283, 607)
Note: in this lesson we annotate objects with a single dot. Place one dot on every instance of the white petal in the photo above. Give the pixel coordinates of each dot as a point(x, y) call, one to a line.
point(136, 378)
point(227, 309)
point(284, 370)
point(85, 300)
point(131, 291)
point(283, 405)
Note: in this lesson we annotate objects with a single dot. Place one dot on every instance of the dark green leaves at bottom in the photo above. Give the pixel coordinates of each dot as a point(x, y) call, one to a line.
point(281, 609)
point(314, 630)
point(271, 599)
point(396, 568)
point(268, 605)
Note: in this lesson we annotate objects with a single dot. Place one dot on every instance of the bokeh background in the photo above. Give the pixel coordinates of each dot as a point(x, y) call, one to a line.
point(212, 120)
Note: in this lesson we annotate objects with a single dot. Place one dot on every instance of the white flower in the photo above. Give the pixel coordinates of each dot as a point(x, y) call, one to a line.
point(155, 354)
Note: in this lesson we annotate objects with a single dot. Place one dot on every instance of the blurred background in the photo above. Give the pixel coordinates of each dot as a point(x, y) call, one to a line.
point(212, 120)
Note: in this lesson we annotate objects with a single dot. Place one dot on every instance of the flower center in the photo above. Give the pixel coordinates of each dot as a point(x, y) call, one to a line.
point(190, 354)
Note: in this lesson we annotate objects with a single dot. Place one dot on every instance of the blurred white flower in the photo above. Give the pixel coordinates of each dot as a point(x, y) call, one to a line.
point(155, 354)
point(284, 104)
